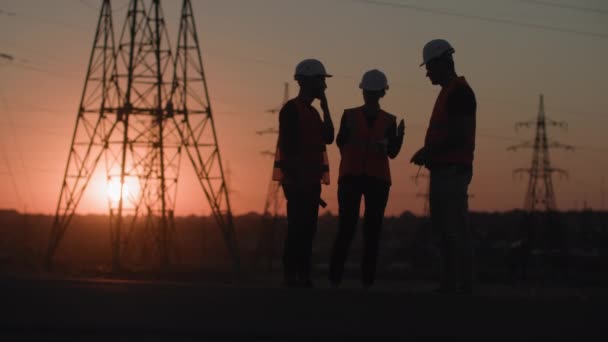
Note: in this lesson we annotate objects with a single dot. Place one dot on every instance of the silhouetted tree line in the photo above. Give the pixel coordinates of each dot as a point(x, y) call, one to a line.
point(508, 245)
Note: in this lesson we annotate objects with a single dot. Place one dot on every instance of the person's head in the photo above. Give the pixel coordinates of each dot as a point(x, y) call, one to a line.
point(438, 60)
point(310, 75)
point(374, 85)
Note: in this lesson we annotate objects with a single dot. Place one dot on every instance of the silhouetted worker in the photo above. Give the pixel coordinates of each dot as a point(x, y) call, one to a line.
point(448, 154)
point(301, 165)
point(368, 136)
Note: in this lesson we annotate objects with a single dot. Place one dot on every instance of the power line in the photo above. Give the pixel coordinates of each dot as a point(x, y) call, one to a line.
point(592, 148)
point(283, 65)
point(39, 130)
point(566, 6)
point(410, 87)
point(7, 56)
point(93, 7)
point(9, 14)
point(26, 66)
point(486, 19)
point(71, 27)
point(39, 53)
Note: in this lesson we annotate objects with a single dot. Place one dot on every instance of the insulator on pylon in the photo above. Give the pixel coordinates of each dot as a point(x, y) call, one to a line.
point(169, 109)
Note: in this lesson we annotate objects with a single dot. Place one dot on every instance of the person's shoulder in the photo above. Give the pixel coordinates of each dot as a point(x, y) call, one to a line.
point(289, 104)
point(389, 117)
point(351, 111)
point(463, 88)
point(461, 94)
point(288, 107)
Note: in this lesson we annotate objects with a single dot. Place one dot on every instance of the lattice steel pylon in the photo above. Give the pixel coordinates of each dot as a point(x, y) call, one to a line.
point(274, 197)
point(143, 123)
point(426, 212)
point(540, 185)
point(95, 123)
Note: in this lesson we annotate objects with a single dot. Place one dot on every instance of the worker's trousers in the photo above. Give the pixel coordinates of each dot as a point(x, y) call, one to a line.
point(302, 214)
point(449, 217)
point(375, 193)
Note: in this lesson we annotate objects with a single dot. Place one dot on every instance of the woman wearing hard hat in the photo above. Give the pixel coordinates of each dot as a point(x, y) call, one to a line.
point(367, 138)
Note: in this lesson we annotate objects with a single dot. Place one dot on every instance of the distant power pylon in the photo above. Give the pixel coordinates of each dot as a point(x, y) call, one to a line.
point(141, 107)
point(274, 199)
point(540, 193)
point(540, 196)
point(274, 196)
point(424, 195)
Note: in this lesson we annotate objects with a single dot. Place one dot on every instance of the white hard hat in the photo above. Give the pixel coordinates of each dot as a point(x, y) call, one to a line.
point(374, 80)
point(436, 48)
point(311, 67)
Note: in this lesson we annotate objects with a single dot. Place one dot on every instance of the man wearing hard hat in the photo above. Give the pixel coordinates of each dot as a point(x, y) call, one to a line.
point(368, 137)
point(301, 166)
point(448, 154)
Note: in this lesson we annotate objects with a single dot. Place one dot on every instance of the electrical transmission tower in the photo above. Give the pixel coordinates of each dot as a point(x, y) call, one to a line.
point(540, 192)
point(274, 199)
point(540, 195)
point(142, 106)
point(425, 196)
point(274, 196)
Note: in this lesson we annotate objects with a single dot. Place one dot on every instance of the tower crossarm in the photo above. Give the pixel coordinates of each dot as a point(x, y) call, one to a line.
point(525, 144)
point(267, 153)
point(557, 144)
point(270, 130)
point(553, 123)
point(525, 124)
point(520, 171)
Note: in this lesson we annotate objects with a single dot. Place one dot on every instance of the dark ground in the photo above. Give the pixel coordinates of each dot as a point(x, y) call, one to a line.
point(102, 309)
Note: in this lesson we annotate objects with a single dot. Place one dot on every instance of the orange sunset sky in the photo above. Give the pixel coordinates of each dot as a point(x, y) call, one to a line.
point(509, 51)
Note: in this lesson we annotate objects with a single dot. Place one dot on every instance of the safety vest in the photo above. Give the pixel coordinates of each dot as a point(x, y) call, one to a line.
point(438, 129)
point(363, 154)
point(312, 163)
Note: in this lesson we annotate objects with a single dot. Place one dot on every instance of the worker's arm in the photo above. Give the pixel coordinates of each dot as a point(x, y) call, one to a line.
point(344, 131)
point(395, 136)
point(327, 130)
point(288, 137)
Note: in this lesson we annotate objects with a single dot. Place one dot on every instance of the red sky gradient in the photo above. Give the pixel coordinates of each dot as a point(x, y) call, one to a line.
point(251, 48)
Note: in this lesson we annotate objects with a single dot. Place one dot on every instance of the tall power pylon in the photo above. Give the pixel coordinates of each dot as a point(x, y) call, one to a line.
point(424, 195)
point(540, 195)
point(540, 185)
point(140, 122)
point(274, 199)
point(274, 196)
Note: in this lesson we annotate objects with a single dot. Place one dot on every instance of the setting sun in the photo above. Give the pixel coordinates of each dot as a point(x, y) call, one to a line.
point(130, 190)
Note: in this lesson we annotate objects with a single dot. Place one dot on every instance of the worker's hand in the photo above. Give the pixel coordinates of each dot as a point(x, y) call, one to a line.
point(401, 128)
point(382, 146)
point(420, 158)
point(324, 105)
